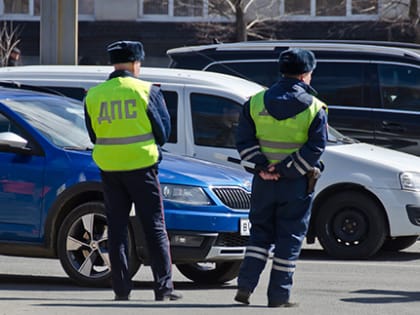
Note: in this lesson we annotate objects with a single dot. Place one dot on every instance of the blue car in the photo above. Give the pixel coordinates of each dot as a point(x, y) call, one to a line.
point(51, 199)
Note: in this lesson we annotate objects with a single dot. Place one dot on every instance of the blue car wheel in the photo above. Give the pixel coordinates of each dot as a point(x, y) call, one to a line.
point(82, 246)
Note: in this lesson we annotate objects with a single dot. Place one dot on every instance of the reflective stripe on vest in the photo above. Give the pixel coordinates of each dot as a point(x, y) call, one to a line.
point(280, 138)
point(126, 140)
point(124, 137)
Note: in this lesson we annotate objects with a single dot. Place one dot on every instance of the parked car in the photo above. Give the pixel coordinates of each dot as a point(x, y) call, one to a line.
point(372, 88)
point(51, 198)
point(367, 199)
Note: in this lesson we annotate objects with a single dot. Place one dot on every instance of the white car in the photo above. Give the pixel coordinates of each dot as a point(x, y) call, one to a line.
point(195, 101)
point(367, 198)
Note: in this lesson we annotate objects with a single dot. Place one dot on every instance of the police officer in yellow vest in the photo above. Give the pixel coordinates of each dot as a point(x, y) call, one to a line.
point(283, 130)
point(127, 120)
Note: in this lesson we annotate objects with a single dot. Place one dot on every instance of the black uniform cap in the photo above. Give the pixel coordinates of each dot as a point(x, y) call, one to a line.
point(125, 51)
point(296, 61)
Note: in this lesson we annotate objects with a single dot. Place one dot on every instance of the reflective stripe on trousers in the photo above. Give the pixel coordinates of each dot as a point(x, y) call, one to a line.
point(279, 215)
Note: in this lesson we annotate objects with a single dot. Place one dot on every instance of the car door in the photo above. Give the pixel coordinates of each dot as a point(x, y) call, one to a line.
point(213, 118)
point(21, 190)
point(397, 123)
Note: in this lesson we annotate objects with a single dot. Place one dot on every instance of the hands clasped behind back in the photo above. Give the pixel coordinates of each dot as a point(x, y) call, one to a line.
point(269, 173)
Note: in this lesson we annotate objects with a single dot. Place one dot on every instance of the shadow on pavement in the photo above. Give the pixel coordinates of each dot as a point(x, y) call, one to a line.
point(319, 254)
point(42, 283)
point(383, 296)
point(29, 284)
point(147, 304)
point(61, 283)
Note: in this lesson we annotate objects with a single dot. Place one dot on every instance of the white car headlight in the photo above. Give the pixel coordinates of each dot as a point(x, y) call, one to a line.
point(410, 181)
point(190, 195)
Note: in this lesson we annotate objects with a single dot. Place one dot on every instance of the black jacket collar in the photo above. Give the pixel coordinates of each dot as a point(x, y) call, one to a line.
point(120, 73)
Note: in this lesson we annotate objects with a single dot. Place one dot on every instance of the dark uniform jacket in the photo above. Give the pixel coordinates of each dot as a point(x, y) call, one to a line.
point(286, 98)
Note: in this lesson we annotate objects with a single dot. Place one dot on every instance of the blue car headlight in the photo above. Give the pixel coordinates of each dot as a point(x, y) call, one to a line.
point(190, 195)
point(410, 181)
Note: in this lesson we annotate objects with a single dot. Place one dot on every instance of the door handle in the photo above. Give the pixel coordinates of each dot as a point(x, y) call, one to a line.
point(393, 127)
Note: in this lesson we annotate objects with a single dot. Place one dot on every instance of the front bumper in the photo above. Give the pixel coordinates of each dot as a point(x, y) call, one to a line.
point(200, 236)
point(402, 209)
point(413, 213)
point(187, 247)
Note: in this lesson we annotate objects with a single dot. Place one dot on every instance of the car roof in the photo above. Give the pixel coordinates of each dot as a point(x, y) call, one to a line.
point(205, 57)
point(392, 48)
point(96, 74)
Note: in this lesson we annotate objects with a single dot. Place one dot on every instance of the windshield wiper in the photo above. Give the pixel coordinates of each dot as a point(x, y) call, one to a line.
point(344, 139)
point(348, 140)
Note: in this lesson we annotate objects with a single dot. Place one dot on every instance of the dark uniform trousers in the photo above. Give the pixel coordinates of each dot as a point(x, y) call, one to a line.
point(141, 187)
point(279, 215)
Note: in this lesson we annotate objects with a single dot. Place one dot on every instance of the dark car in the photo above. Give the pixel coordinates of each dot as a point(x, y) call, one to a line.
point(372, 88)
point(51, 199)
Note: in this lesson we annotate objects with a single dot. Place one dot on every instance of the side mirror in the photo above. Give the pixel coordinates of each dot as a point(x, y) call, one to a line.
point(12, 142)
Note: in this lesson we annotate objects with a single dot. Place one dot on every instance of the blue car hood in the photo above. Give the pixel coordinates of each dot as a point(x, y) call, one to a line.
point(190, 171)
point(176, 169)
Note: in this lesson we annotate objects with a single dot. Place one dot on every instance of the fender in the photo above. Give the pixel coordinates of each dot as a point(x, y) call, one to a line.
point(76, 195)
point(64, 203)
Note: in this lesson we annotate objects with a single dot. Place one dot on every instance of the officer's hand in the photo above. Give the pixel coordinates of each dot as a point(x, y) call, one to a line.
point(269, 173)
point(269, 176)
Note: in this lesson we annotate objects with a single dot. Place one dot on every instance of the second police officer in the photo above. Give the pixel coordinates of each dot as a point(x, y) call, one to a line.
point(128, 121)
point(283, 130)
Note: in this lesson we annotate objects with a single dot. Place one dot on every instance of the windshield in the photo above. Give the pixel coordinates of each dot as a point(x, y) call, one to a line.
point(61, 120)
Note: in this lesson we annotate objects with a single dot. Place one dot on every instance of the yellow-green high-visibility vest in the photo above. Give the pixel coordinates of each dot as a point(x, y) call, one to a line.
point(124, 137)
point(280, 138)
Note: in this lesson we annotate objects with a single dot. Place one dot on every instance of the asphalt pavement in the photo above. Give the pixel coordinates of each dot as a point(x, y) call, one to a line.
point(386, 284)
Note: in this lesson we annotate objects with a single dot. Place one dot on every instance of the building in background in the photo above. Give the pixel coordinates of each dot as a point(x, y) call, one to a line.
point(166, 24)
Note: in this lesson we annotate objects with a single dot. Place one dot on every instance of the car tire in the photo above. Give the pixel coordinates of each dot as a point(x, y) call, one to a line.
point(399, 243)
point(350, 225)
point(210, 273)
point(82, 246)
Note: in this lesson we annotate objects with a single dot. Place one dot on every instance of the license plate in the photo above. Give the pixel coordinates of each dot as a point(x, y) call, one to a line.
point(245, 227)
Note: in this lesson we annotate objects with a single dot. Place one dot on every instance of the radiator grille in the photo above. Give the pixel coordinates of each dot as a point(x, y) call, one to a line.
point(233, 197)
point(231, 240)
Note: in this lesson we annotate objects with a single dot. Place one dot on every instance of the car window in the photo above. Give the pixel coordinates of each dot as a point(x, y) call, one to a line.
point(340, 83)
point(400, 87)
point(214, 120)
point(60, 120)
point(345, 89)
point(6, 125)
point(171, 100)
point(262, 72)
point(78, 93)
